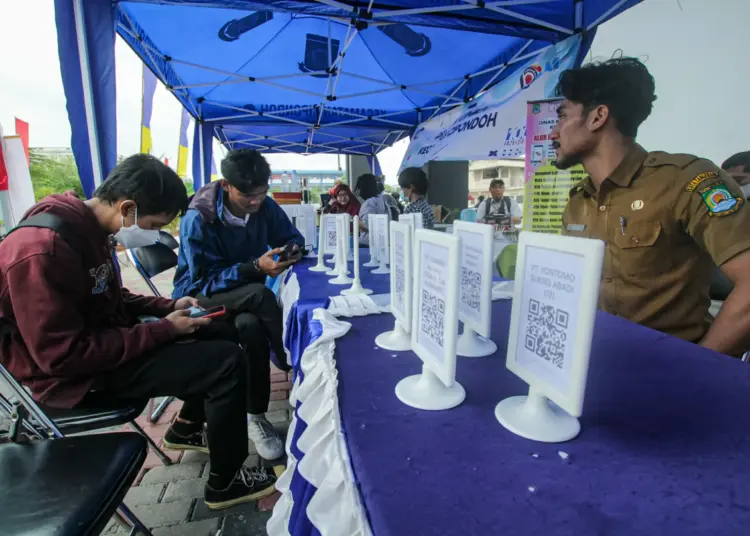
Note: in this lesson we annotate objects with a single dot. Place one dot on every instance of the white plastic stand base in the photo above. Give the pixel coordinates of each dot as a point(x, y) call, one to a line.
point(470, 344)
point(341, 279)
point(319, 267)
point(356, 288)
point(382, 269)
point(398, 340)
point(311, 255)
point(371, 264)
point(426, 391)
point(532, 417)
point(334, 271)
point(332, 260)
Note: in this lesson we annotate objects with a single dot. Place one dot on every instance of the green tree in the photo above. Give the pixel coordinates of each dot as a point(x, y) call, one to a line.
point(51, 176)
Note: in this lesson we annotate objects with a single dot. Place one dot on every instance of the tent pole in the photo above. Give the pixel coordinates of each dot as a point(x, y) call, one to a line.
point(202, 156)
point(88, 91)
point(578, 7)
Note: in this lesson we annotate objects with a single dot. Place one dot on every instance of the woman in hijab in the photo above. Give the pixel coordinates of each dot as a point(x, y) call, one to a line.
point(343, 202)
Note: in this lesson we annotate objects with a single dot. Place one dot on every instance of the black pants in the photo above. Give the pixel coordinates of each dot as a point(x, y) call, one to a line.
point(209, 375)
point(257, 319)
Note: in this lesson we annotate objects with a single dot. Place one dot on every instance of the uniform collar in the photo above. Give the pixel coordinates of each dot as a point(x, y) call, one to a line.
point(624, 173)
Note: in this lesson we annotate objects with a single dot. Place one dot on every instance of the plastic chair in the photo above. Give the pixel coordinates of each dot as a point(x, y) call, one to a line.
point(70, 486)
point(150, 261)
point(468, 214)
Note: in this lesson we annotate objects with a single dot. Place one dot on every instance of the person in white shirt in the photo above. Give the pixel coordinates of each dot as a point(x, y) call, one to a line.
point(498, 204)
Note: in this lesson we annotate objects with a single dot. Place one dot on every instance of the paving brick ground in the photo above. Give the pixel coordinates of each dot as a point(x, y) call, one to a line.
point(168, 499)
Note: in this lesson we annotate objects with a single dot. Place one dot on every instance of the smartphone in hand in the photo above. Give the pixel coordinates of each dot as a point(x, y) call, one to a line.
point(213, 312)
point(291, 252)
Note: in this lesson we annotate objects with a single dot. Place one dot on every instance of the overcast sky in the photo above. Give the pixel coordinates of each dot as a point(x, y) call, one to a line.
point(698, 51)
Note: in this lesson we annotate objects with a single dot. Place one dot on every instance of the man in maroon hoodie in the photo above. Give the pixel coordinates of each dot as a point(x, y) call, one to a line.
point(71, 333)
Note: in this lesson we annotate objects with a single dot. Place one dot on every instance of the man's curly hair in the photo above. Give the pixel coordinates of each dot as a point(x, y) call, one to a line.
point(623, 85)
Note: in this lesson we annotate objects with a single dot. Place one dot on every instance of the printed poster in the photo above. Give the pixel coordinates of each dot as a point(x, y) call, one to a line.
point(546, 188)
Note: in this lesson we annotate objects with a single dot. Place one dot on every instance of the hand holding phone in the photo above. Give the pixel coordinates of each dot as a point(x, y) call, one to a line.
point(290, 253)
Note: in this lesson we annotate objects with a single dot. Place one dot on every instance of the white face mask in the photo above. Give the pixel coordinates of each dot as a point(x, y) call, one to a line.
point(135, 237)
point(746, 190)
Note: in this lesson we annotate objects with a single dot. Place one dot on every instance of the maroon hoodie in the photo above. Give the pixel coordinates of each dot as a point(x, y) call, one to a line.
point(70, 319)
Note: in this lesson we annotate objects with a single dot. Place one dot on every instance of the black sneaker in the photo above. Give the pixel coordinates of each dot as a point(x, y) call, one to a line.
point(250, 484)
point(194, 441)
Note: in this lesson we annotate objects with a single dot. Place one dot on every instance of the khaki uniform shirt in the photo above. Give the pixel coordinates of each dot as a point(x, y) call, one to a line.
point(665, 220)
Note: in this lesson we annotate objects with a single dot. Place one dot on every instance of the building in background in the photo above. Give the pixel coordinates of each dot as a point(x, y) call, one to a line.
point(482, 172)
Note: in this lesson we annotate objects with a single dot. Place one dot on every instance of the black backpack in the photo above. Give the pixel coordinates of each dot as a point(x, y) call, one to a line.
point(488, 203)
point(42, 221)
point(47, 221)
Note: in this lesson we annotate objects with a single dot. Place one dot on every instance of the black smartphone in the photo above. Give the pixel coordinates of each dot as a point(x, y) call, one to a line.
point(291, 252)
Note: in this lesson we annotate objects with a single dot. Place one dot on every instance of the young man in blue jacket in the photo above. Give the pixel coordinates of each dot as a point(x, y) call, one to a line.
point(228, 242)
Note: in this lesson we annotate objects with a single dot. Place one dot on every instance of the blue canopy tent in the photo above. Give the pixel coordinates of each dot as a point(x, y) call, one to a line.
point(312, 76)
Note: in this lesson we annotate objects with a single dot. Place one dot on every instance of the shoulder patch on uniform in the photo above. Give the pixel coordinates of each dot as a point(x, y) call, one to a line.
point(719, 199)
point(693, 184)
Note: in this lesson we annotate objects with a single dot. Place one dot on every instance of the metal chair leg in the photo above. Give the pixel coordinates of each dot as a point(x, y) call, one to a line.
point(152, 445)
point(160, 408)
point(137, 525)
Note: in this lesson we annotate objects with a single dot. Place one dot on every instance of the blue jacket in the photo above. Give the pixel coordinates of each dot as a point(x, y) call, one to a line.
point(211, 251)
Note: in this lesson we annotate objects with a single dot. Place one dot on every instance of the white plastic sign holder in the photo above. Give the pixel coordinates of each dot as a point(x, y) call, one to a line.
point(381, 222)
point(373, 262)
point(339, 259)
point(475, 288)
point(356, 287)
point(551, 325)
point(414, 220)
point(331, 238)
point(341, 271)
point(399, 339)
point(434, 324)
point(306, 225)
point(320, 266)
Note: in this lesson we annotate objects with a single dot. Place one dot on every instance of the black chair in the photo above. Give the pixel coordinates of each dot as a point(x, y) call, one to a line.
point(151, 261)
point(55, 422)
point(70, 486)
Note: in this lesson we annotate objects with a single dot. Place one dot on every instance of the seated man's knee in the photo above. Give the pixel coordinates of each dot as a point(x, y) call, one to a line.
point(228, 358)
point(248, 325)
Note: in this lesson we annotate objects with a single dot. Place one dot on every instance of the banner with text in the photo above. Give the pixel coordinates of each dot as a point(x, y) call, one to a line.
point(493, 125)
point(546, 188)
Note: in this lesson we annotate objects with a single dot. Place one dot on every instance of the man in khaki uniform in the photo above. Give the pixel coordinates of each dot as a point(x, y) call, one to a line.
point(665, 218)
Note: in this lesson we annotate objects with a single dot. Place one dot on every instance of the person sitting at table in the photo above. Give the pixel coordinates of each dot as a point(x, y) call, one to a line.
point(665, 218)
point(738, 166)
point(71, 334)
point(498, 204)
point(343, 201)
point(368, 188)
point(413, 182)
point(224, 259)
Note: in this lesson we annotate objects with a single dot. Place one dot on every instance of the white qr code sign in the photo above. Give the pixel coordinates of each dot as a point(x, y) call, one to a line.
point(435, 321)
point(475, 286)
point(553, 314)
point(330, 235)
point(401, 272)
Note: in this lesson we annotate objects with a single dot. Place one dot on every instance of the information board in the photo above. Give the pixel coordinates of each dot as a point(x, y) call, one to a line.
point(546, 188)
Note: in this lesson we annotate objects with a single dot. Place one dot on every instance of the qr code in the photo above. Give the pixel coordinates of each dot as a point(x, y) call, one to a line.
point(331, 239)
point(471, 286)
point(400, 281)
point(546, 332)
point(433, 316)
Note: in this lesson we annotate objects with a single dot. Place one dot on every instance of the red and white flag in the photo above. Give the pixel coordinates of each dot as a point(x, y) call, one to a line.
point(22, 131)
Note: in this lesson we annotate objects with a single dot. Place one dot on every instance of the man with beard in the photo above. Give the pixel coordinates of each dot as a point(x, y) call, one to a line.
point(225, 254)
point(666, 219)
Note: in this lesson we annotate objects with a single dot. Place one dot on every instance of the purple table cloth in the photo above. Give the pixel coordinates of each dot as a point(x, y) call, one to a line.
point(663, 449)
